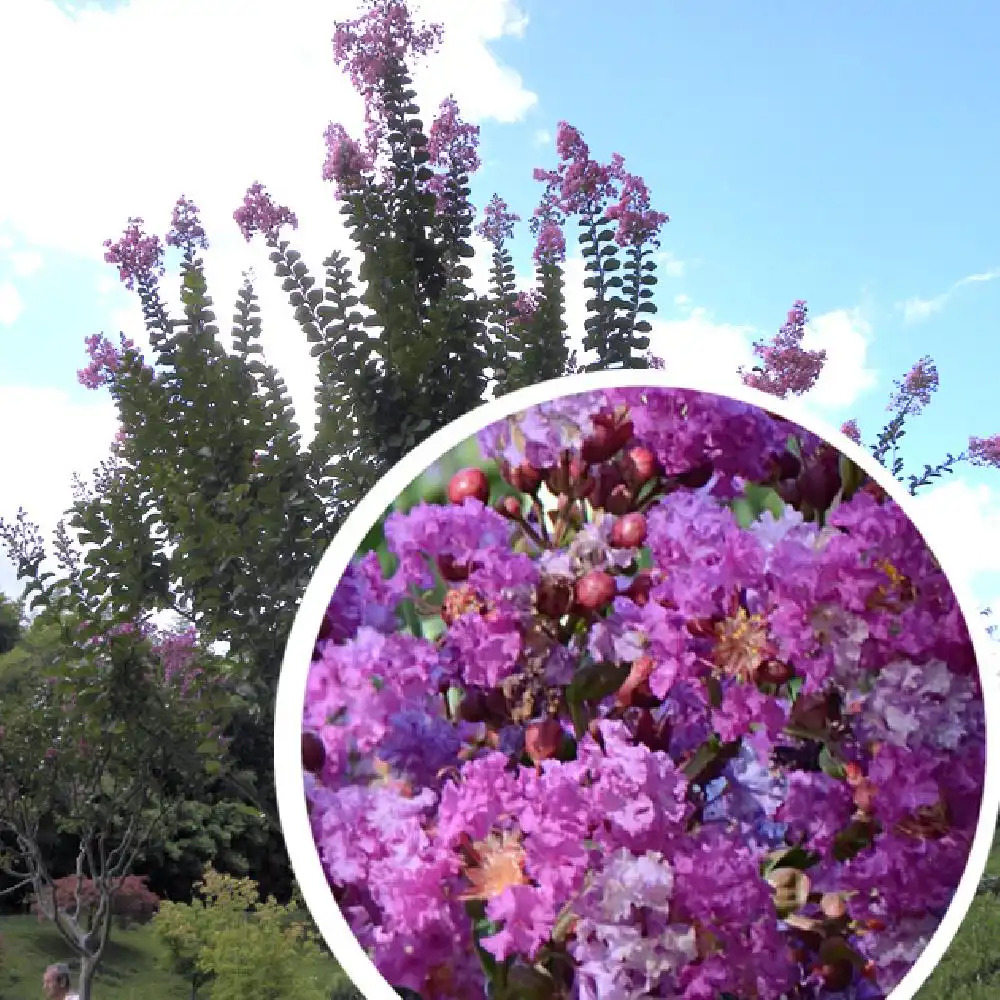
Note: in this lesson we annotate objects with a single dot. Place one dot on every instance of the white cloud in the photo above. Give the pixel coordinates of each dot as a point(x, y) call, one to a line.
point(11, 305)
point(916, 310)
point(117, 143)
point(48, 438)
point(682, 300)
point(669, 265)
point(26, 262)
point(542, 137)
point(844, 335)
point(961, 520)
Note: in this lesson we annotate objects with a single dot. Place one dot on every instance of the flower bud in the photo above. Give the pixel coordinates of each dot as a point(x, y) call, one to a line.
point(542, 739)
point(509, 507)
point(629, 531)
point(554, 597)
point(313, 752)
point(774, 672)
point(525, 478)
point(595, 590)
point(639, 466)
point(469, 483)
point(638, 590)
point(619, 500)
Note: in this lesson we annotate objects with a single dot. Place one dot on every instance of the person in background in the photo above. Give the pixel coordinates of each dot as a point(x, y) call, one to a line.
point(56, 982)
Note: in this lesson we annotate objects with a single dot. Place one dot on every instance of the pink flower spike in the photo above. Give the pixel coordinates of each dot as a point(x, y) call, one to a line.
point(259, 214)
point(137, 256)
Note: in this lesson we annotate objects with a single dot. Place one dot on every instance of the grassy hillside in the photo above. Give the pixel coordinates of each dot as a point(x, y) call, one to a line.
point(131, 969)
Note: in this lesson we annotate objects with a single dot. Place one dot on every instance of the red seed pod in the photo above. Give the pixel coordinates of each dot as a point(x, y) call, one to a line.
point(836, 976)
point(557, 479)
point(865, 794)
point(525, 478)
point(595, 590)
point(313, 752)
point(612, 432)
point(629, 531)
point(605, 479)
point(637, 681)
point(469, 483)
point(819, 481)
point(639, 466)
point(788, 490)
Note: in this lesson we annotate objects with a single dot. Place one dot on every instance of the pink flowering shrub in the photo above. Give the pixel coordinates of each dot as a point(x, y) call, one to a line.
point(132, 902)
point(688, 711)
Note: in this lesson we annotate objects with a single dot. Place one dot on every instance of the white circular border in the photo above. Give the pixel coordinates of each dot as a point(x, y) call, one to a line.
point(289, 777)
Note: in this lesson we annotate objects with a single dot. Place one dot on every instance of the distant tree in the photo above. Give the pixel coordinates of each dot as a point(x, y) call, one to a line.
point(99, 745)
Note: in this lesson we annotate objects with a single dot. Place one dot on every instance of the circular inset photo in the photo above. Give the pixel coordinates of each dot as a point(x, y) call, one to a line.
point(634, 691)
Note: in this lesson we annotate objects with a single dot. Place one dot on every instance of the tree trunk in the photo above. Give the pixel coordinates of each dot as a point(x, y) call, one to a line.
point(88, 969)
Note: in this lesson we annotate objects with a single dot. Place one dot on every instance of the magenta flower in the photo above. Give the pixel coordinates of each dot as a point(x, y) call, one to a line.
point(186, 230)
point(851, 429)
point(638, 223)
point(371, 46)
point(913, 392)
point(579, 184)
point(346, 163)
point(498, 222)
point(786, 368)
point(550, 243)
point(453, 146)
point(259, 214)
point(137, 256)
point(985, 451)
point(105, 360)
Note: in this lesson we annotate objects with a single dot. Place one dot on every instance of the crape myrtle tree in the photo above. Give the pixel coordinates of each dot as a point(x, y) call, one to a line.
point(219, 510)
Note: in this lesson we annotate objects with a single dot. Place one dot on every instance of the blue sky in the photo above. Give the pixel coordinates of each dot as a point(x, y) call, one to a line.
point(836, 152)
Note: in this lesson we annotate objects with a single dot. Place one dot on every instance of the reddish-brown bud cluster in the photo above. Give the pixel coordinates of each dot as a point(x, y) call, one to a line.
point(815, 483)
point(612, 431)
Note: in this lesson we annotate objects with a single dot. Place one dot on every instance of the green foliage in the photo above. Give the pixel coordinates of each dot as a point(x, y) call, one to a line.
point(234, 945)
point(10, 625)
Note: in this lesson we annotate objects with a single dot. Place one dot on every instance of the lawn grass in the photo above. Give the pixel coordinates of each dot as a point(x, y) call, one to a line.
point(970, 968)
point(131, 968)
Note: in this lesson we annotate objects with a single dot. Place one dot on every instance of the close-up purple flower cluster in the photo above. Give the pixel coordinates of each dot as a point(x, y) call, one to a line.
point(685, 708)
